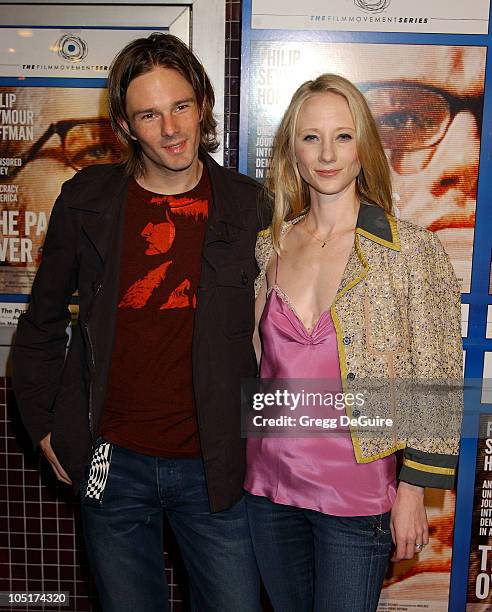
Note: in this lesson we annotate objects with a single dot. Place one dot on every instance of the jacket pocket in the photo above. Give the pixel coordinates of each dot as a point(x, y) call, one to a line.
point(386, 327)
point(235, 299)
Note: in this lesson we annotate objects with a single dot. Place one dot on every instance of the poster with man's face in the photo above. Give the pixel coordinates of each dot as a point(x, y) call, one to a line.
point(427, 101)
point(47, 134)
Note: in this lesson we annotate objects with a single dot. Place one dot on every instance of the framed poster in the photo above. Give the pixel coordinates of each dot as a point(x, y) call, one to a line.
point(424, 71)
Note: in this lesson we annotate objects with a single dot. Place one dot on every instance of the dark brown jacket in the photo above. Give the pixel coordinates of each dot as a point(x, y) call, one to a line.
point(65, 395)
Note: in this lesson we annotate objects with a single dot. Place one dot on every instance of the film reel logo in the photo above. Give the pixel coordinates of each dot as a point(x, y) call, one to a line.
point(71, 48)
point(376, 6)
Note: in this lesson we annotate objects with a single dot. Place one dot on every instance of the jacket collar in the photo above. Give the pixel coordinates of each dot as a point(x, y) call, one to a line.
point(377, 225)
point(103, 193)
point(98, 187)
point(224, 199)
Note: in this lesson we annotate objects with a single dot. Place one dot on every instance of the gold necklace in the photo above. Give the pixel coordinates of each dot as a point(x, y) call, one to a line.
point(323, 242)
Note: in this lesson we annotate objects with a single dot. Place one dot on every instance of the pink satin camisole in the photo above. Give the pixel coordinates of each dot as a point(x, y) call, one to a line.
point(313, 472)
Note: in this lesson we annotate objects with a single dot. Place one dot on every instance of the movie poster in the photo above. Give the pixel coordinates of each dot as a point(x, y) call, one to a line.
point(479, 595)
point(46, 135)
point(414, 92)
point(53, 122)
point(422, 67)
point(422, 583)
point(418, 16)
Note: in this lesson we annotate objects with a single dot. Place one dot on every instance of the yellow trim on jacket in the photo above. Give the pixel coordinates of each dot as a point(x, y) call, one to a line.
point(429, 468)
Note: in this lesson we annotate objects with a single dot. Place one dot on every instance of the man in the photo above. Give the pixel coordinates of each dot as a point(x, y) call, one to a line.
point(144, 410)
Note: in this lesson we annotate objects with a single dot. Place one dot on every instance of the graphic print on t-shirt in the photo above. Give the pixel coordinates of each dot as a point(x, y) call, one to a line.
point(174, 221)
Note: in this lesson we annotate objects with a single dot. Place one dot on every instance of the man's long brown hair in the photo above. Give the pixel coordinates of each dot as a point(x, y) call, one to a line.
point(141, 56)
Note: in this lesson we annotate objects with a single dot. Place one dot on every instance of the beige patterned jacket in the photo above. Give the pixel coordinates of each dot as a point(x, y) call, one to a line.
point(397, 319)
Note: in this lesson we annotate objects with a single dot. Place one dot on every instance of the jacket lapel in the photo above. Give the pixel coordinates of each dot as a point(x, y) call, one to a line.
point(377, 226)
point(100, 227)
point(355, 270)
point(224, 222)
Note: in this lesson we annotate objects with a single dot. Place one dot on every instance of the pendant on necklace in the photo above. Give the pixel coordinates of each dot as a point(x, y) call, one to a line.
point(323, 245)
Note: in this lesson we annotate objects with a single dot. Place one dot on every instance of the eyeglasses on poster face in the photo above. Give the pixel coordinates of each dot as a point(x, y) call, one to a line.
point(413, 117)
point(84, 142)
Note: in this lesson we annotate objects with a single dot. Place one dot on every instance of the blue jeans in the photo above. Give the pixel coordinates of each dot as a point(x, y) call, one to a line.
point(311, 561)
point(123, 528)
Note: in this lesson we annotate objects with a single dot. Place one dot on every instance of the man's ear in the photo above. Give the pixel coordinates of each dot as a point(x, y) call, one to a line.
point(126, 128)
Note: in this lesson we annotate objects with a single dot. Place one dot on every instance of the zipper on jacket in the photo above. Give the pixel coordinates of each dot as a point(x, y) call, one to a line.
point(91, 347)
point(97, 289)
point(90, 414)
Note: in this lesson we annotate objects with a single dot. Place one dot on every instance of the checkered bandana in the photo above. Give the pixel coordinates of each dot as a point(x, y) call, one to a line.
point(98, 474)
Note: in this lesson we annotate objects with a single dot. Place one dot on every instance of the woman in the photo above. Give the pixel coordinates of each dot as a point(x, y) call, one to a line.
point(347, 292)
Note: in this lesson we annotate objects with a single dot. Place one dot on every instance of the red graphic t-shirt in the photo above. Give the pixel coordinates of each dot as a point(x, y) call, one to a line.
point(149, 403)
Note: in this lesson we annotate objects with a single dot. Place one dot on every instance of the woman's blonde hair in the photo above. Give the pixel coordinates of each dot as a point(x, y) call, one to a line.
point(289, 192)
